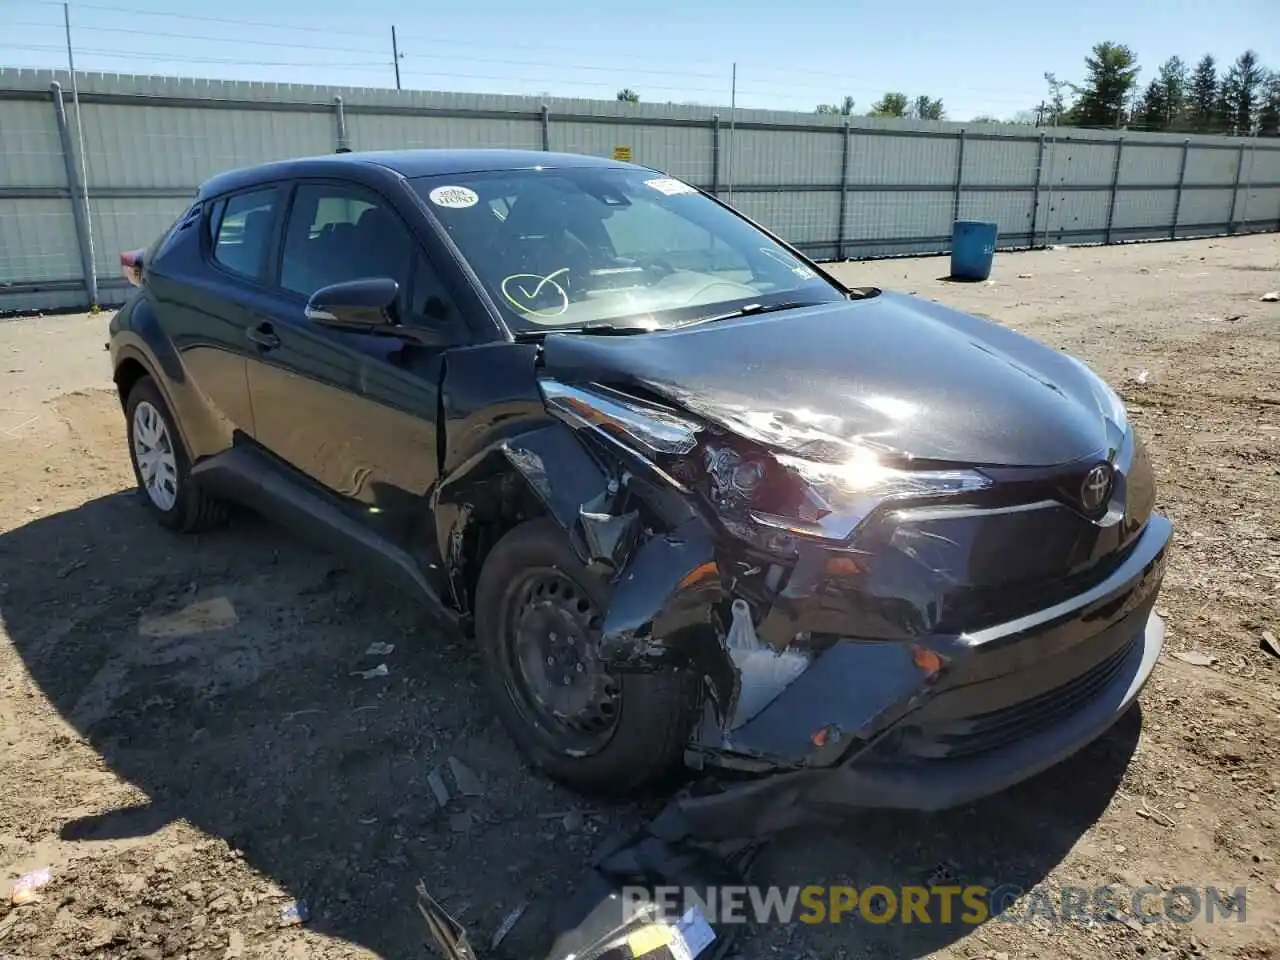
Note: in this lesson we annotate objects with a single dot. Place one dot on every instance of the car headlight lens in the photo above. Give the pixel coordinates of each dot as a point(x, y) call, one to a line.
point(817, 499)
point(762, 497)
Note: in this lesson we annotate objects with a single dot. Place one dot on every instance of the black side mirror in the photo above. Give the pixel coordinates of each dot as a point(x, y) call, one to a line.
point(357, 306)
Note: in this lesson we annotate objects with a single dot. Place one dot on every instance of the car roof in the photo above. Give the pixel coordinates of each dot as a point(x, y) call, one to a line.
point(406, 163)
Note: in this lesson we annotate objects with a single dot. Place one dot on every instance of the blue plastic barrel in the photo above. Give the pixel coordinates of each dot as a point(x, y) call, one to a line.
point(973, 247)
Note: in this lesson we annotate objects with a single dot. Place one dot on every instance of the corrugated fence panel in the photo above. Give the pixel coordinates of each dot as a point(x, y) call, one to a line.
point(127, 224)
point(180, 147)
point(683, 151)
point(150, 141)
point(1154, 166)
point(1081, 164)
point(879, 159)
point(382, 131)
point(1211, 166)
point(990, 163)
point(37, 241)
point(805, 218)
point(785, 157)
point(1010, 210)
point(1203, 210)
point(30, 153)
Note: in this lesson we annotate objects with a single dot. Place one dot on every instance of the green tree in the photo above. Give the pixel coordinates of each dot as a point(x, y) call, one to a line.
point(1153, 108)
point(1239, 94)
point(1202, 99)
point(925, 108)
point(844, 108)
point(1111, 75)
point(1056, 111)
point(627, 95)
point(890, 105)
point(1174, 83)
point(1269, 112)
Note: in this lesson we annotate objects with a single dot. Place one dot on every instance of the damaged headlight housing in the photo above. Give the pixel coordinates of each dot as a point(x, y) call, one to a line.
point(762, 497)
point(817, 499)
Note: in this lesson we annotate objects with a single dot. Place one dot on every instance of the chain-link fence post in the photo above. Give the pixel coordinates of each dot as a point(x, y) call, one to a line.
point(1115, 186)
point(715, 154)
point(1235, 191)
point(845, 150)
point(546, 127)
point(1177, 197)
point(340, 126)
point(89, 271)
point(1035, 192)
point(955, 204)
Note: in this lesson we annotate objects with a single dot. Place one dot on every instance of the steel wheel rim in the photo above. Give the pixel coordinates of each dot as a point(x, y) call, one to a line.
point(154, 454)
point(551, 632)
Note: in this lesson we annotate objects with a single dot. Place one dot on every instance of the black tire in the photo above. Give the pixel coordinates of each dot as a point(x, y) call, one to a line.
point(655, 712)
point(192, 509)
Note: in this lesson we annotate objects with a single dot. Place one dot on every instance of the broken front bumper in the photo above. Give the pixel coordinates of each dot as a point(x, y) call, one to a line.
point(928, 723)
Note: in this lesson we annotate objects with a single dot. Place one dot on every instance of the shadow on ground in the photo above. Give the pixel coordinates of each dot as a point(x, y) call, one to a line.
point(257, 732)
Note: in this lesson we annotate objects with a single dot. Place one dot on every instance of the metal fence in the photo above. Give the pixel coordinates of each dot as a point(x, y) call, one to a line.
point(83, 177)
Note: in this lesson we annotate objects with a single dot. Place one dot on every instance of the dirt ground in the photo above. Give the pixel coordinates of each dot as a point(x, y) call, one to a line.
point(186, 745)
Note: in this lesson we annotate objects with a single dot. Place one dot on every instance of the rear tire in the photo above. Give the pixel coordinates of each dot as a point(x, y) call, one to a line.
point(637, 743)
point(161, 465)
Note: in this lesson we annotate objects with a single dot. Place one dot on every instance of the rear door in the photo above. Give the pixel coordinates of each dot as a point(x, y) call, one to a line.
point(355, 414)
point(206, 306)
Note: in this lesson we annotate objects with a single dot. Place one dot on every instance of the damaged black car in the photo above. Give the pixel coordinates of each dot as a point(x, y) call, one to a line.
point(700, 505)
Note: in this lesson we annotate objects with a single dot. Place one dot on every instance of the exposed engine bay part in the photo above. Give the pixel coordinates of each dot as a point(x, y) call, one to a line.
point(763, 672)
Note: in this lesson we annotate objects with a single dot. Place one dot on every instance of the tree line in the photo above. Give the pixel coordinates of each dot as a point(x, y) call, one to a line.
point(1241, 100)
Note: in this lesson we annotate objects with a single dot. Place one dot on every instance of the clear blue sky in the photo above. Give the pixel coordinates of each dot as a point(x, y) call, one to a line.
point(987, 57)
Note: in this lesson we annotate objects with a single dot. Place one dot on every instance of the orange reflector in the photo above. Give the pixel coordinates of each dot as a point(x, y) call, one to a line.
point(820, 737)
point(926, 659)
point(843, 566)
point(699, 573)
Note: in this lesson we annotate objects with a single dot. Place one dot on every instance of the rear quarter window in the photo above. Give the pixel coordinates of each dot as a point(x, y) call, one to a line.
point(240, 231)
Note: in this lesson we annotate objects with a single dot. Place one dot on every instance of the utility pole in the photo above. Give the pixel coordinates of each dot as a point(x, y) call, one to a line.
point(395, 55)
point(91, 281)
point(1040, 114)
point(733, 123)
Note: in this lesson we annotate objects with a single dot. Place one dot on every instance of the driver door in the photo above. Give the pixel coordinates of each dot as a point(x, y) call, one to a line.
point(351, 413)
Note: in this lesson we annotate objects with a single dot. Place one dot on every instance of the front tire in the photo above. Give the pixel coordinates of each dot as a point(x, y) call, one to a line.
point(538, 617)
point(161, 465)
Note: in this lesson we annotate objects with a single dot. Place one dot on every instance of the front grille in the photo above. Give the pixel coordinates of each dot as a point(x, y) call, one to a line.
point(936, 731)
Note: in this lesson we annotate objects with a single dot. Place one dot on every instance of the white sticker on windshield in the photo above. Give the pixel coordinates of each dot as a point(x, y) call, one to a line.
point(455, 198)
point(803, 272)
point(670, 186)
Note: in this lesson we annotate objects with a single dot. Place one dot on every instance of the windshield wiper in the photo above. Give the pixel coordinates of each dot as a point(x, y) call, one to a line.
point(752, 309)
point(601, 327)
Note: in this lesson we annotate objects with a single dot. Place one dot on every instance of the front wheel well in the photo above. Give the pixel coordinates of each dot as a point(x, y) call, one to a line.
point(504, 503)
point(128, 373)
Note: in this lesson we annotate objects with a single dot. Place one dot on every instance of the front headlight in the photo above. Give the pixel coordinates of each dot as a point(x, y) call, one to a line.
point(823, 500)
point(762, 497)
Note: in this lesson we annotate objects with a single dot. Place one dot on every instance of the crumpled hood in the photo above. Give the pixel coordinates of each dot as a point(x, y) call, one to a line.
point(903, 375)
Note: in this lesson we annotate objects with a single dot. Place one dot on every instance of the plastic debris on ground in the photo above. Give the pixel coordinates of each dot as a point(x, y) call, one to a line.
point(1270, 644)
point(372, 674)
point(1143, 378)
point(294, 913)
point(436, 782)
point(28, 886)
point(380, 649)
point(464, 778)
point(507, 925)
point(1196, 658)
point(1272, 297)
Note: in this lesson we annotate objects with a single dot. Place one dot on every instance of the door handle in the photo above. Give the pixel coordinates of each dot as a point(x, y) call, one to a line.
point(264, 336)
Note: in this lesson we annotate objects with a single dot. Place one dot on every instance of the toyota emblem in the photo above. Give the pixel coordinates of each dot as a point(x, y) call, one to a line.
point(1096, 487)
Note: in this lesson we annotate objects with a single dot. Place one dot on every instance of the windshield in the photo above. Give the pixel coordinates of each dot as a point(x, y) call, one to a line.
point(612, 247)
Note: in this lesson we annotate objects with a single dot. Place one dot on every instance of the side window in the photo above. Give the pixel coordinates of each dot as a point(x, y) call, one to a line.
point(337, 233)
point(240, 228)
